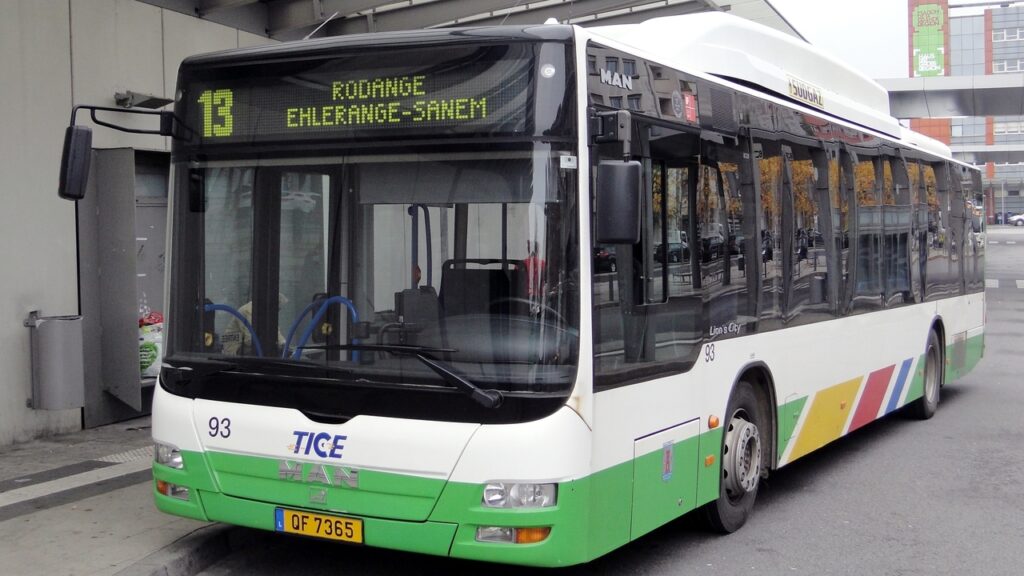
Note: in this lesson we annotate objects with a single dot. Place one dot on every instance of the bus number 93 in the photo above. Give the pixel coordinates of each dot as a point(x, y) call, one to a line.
point(220, 427)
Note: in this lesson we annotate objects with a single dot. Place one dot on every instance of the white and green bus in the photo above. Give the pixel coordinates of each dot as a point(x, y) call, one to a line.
point(525, 294)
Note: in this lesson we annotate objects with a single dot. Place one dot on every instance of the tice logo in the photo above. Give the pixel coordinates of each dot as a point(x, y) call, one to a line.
point(321, 444)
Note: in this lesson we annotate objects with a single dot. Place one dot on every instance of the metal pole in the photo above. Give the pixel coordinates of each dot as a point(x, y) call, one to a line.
point(1002, 200)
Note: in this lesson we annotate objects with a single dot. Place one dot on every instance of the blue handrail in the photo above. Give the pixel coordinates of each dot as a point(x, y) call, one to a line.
point(316, 318)
point(237, 314)
point(295, 326)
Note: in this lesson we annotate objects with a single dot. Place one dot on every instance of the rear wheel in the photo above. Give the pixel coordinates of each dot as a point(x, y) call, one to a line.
point(925, 406)
point(744, 448)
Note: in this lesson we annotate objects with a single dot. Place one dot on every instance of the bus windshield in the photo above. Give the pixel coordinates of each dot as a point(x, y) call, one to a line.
point(335, 268)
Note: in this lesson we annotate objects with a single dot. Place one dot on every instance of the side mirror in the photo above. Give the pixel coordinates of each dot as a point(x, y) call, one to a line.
point(618, 202)
point(74, 162)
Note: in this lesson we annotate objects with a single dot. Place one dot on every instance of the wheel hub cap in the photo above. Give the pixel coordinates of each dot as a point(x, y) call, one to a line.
point(742, 465)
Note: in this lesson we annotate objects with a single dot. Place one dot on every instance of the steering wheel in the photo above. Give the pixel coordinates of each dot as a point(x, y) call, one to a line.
point(530, 304)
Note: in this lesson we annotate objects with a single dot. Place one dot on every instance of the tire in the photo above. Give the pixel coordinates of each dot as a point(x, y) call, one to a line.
point(924, 407)
point(744, 456)
point(1019, 223)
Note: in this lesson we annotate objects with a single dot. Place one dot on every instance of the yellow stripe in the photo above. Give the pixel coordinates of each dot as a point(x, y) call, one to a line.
point(827, 417)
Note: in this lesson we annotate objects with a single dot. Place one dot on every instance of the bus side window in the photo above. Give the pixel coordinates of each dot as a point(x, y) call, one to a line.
point(959, 229)
point(808, 291)
point(897, 214)
point(868, 185)
point(647, 312)
point(769, 156)
point(725, 221)
point(937, 263)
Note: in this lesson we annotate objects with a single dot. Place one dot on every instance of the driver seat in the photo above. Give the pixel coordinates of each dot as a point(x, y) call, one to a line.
point(482, 286)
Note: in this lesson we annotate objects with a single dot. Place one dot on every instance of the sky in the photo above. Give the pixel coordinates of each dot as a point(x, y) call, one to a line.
point(869, 35)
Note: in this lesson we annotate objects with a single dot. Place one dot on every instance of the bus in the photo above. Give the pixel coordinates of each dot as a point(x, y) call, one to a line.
point(385, 325)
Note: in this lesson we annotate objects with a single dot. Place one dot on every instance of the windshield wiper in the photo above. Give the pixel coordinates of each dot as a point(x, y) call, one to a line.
point(486, 398)
point(186, 369)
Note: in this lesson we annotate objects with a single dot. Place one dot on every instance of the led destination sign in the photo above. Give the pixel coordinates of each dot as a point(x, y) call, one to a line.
point(385, 101)
point(486, 90)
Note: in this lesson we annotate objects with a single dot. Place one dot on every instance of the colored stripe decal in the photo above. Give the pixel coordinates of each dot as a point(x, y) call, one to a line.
point(901, 380)
point(827, 417)
point(871, 399)
point(789, 415)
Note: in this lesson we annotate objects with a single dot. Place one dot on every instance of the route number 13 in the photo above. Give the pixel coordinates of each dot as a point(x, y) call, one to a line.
point(217, 118)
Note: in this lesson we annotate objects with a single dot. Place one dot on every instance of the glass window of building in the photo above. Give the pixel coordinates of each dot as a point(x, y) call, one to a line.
point(611, 64)
point(1008, 35)
point(1001, 128)
point(1009, 65)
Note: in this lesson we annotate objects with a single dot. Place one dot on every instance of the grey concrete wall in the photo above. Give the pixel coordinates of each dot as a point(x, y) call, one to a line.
point(54, 53)
point(37, 230)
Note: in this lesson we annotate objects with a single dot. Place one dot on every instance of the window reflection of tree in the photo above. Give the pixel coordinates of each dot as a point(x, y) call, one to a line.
point(805, 261)
point(888, 195)
point(867, 180)
point(770, 167)
point(914, 174)
point(864, 183)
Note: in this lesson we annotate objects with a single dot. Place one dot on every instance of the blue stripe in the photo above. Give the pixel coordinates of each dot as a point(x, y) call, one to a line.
point(898, 390)
point(279, 520)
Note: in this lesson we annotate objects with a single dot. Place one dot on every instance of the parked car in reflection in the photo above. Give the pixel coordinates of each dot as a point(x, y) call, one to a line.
point(604, 259)
point(737, 244)
point(1017, 220)
point(712, 247)
point(677, 252)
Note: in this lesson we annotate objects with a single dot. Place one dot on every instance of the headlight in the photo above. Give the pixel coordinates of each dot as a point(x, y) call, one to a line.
point(168, 456)
point(519, 495)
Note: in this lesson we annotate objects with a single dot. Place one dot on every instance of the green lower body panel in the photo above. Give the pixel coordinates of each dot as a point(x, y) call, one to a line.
point(454, 514)
point(592, 516)
point(963, 356)
point(709, 466)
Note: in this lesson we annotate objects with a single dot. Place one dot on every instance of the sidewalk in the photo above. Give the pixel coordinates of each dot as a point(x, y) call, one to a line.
point(82, 504)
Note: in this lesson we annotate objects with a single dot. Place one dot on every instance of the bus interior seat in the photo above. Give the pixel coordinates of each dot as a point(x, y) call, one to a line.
point(482, 286)
point(417, 306)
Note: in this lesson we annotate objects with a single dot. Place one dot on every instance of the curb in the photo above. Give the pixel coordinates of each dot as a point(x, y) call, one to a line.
point(193, 553)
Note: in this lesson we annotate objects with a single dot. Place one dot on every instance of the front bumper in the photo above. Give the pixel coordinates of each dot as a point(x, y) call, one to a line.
point(450, 529)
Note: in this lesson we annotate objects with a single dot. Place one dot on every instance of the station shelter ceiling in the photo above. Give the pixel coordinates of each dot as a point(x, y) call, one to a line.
point(297, 19)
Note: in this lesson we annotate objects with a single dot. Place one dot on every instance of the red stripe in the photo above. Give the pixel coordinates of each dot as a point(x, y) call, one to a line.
point(871, 400)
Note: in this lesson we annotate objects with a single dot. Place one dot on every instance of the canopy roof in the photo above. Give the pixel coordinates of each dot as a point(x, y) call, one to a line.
point(296, 19)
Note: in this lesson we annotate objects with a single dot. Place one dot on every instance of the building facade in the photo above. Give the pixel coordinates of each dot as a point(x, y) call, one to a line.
point(973, 45)
point(55, 54)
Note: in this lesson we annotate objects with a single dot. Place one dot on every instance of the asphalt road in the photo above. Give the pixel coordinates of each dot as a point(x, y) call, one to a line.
point(898, 497)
